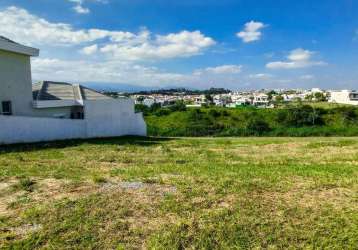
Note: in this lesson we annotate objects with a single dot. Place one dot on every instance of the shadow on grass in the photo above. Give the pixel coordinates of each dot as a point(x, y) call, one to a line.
point(126, 140)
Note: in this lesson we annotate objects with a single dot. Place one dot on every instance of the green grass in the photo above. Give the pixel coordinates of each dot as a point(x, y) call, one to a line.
point(169, 193)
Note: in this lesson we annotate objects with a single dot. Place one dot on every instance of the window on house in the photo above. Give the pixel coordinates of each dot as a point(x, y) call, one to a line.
point(6, 108)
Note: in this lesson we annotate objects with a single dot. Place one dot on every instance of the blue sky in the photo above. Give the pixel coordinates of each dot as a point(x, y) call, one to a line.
point(237, 44)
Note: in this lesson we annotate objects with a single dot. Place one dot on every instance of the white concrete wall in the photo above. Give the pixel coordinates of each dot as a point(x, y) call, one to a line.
point(113, 118)
point(19, 129)
point(103, 118)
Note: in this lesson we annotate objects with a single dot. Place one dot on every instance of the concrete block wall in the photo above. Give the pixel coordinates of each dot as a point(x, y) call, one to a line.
point(103, 118)
point(21, 129)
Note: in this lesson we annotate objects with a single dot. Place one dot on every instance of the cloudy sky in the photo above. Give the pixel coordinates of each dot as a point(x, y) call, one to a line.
point(236, 44)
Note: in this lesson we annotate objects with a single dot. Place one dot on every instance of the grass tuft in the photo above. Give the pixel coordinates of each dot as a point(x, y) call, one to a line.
point(99, 179)
point(25, 184)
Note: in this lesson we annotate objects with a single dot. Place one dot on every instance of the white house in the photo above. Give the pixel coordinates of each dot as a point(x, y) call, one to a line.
point(344, 97)
point(149, 102)
point(260, 100)
point(54, 110)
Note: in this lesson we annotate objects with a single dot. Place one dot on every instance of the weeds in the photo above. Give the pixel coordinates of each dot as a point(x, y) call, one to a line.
point(25, 184)
point(99, 179)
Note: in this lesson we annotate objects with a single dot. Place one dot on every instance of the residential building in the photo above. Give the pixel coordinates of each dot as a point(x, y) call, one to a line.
point(344, 97)
point(260, 100)
point(15, 78)
point(54, 110)
point(149, 102)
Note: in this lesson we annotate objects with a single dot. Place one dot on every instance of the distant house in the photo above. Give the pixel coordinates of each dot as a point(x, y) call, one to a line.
point(200, 100)
point(149, 102)
point(62, 100)
point(260, 100)
point(344, 97)
point(53, 110)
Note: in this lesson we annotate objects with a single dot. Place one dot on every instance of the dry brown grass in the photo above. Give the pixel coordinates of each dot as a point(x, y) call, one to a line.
point(303, 194)
point(50, 190)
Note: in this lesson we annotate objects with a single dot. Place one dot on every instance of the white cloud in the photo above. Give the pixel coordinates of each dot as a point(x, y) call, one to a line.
point(146, 47)
point(307, 77)
point(300, 55)
point(298, 58)
point(261, 76)
point(79, 7)
point(19, 25)
point(116, 56)
point(81, 10)
point(109, 72)
point(223, 69)
point(252, 32)
point(89, 50)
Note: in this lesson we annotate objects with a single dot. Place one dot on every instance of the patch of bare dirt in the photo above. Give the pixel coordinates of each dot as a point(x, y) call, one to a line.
point(5, 195)
point(24, 229)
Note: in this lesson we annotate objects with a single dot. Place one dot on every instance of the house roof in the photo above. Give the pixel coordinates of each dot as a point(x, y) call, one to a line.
point(56, 91)
point(8, 45)
point(5, 39)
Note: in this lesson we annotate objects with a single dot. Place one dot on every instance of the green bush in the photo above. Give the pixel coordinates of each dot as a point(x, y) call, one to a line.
point(178, 106)
point(300, 116)
point(214, 113)
point(247, 121)
point(257, 125)
point(349, 114)
point(162, 112)
point(195, 115)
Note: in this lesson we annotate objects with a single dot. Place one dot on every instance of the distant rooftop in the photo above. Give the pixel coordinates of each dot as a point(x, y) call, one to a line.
point(54, 91)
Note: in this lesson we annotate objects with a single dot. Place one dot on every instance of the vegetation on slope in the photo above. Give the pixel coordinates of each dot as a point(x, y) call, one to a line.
point(222, 193)
point(296, 120)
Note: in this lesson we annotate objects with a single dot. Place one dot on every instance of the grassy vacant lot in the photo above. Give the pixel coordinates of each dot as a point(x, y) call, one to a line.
point(222, 193)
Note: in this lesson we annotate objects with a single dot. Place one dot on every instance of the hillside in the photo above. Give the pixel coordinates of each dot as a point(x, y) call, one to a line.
point(134, 193)
point(300, 120)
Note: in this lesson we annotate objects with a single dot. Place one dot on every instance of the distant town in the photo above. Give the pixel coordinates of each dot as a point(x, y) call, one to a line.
point(233, 99)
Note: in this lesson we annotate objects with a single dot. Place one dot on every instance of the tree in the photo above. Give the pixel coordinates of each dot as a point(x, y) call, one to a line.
point(142, 108)
point(320, 97)
point(271, 94)
point(257, 125)
point(140, 99)
point(309, 97)
point(300, 116)
point(178, 106)
point(279, 98)
point(209, 98)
